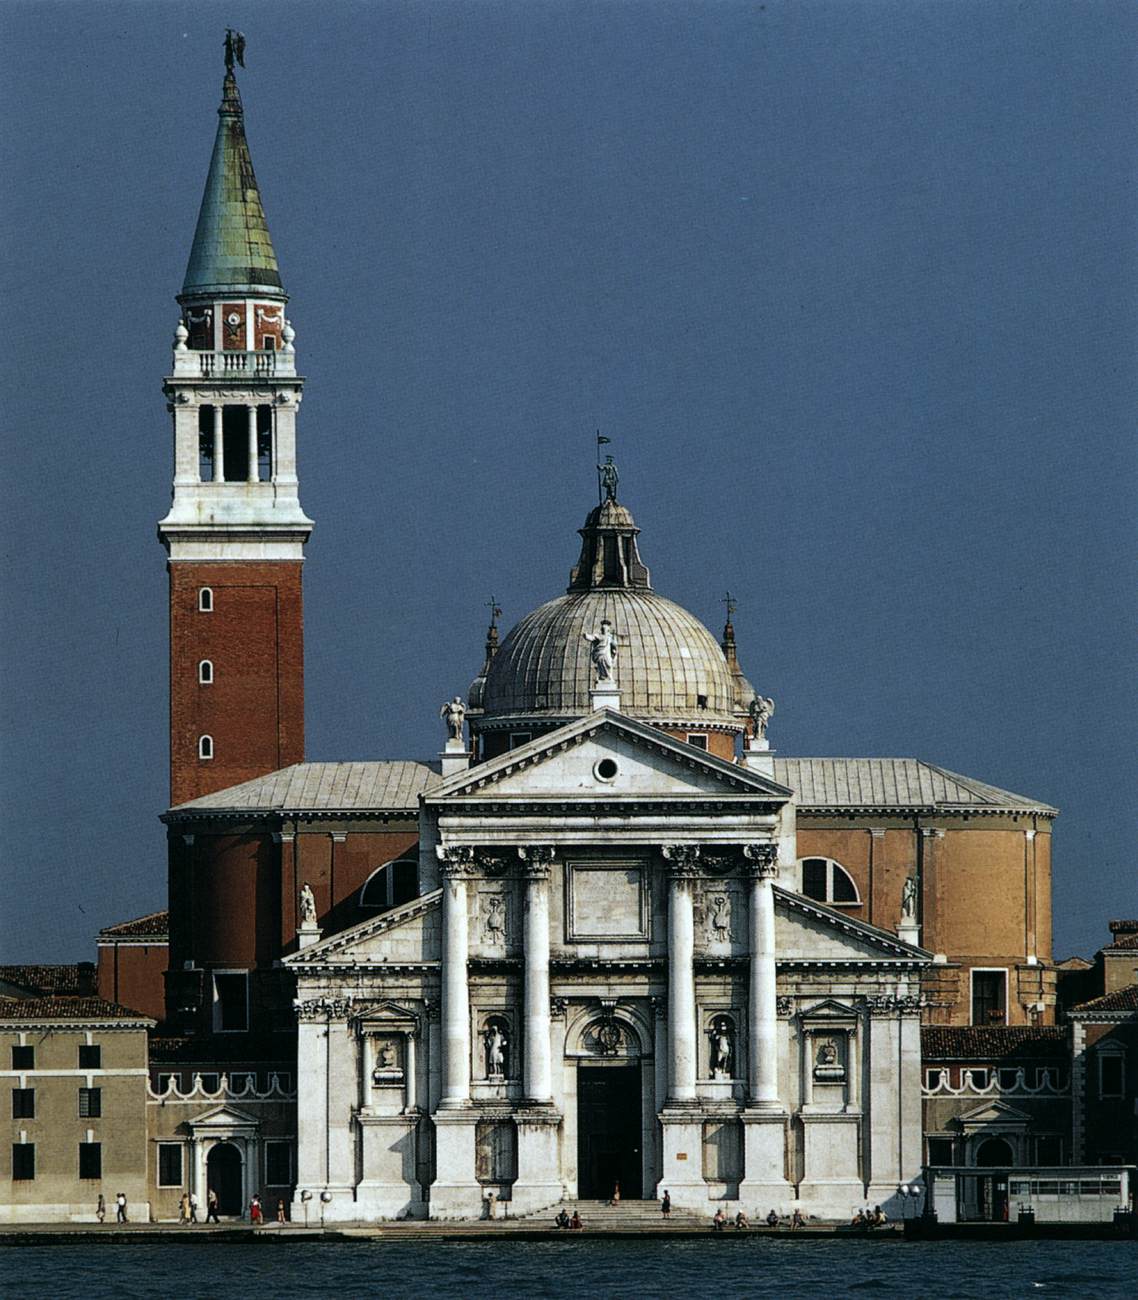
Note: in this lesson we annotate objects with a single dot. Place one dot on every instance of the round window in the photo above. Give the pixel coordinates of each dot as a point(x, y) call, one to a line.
point(605, 769)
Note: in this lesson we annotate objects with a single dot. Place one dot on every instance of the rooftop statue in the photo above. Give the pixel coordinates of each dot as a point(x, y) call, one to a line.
point(761, 710)
point(909, 900)
point(307, 905)
point(609, 478)
point(603, 652)
point(234, 48)
point(453, 714)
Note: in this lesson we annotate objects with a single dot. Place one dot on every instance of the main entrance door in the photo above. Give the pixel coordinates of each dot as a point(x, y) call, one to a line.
point(608, 1131)
point(223, 1175)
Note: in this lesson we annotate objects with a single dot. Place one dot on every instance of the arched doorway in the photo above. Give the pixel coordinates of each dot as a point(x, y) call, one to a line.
point(609, 1110)
point(994, 1153)
point(223, 1176)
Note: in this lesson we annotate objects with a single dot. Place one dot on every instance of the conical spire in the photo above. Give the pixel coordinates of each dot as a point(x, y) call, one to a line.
point(232, 251)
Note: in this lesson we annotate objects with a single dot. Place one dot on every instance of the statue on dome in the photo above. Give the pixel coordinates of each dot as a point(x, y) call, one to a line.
point(603, 651)
point(609, 478)
point(761, 710)
point(234, 48)
point(307, 905)
point(909, 900)
point(453, 714)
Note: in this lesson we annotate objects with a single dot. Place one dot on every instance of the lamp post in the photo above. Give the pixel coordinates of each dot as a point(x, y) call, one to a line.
point(905, 1191)
point(305, 1197)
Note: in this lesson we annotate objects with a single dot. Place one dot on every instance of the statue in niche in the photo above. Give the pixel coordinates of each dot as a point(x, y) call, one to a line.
point(453, 713)
point(827, 1064)
point(386, 1062)
point(761, 710)
point(721, 1048)
point(909, 900)
point(307, 905)
point(603, 651)
point(827, 1053)
point(387, 1056)
point(719, 918)
point(494, 919)
point(495, 1043)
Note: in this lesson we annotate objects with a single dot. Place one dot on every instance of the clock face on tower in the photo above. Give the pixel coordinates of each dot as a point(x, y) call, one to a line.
point(233, 325)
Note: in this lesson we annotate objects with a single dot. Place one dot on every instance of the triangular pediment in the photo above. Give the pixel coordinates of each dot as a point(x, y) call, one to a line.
point(223, 1117)
point(574, 762)
point(808, 931)
point(994, 1112)
point(408, 934)
point(829, 1009)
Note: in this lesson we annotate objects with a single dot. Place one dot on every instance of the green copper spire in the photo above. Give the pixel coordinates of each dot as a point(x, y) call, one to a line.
point(232, 251)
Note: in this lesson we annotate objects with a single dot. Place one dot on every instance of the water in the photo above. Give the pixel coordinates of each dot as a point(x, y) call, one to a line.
point(577, 1269)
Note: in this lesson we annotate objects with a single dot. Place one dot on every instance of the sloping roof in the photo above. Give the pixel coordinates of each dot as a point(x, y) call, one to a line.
point(894, 783)
point(1125, 936)
point(155, 925)
point(42, 979)
point(983, 1043)
point(323, 787)
point(1122, 1002)
point(67, 1008)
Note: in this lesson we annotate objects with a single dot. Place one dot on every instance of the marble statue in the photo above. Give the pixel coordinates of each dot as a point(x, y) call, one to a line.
point(721, 1050)
point(307, 905)
point(387, 1057)
point(495, 1052)
point(909, 900)
point(827, 1054)
point(453, 713)
point(761, 710)
point(603, 652)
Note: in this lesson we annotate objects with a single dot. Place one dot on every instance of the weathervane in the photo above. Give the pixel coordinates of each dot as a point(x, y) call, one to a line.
point(607, 477)
point(234, 48)
point(495, 610)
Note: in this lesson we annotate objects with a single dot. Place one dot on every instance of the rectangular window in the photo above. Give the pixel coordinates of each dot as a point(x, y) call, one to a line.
point(1111, 1081)
point(235, 435)
point(90, 1160)
point(231, 1001)
point(23, 1058)
point(169, 1164)
point(90, 1056)
point(23, 1103)
point(23, 1161)
point(940, 1151)
point(278, 1164)
point(205, 444)
point(265, 441)
point(989, 997)
point(698, 739)
point(90, 1103)
point(519, 738)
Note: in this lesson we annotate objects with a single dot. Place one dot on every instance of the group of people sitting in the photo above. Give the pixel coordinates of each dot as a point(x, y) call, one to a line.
point(719, 1221)
point(866, 1219)
point(564, 1220)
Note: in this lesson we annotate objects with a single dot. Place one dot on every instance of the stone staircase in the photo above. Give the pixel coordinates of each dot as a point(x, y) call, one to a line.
point(628, 1216)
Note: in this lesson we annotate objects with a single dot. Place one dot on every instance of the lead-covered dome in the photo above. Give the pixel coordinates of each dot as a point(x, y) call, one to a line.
point(669, 667)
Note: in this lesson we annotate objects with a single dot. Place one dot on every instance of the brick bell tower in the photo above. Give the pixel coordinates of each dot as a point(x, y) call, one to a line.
point(235, 532)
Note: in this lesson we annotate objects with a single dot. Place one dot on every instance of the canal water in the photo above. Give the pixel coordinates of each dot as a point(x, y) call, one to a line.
point(577, 1269)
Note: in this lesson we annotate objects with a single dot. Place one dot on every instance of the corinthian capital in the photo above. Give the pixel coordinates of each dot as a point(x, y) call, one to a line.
point(455, 860)
point(683, 860)
point(763, 859)
point(536, 859)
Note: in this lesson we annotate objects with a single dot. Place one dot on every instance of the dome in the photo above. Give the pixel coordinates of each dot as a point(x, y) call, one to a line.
point(668, 666)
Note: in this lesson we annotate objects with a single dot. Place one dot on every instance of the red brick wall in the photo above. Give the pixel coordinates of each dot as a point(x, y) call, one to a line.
point(254, 637)
point(132, 974)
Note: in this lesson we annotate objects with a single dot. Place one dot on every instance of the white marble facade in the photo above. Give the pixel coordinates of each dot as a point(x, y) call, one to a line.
point(609, 974)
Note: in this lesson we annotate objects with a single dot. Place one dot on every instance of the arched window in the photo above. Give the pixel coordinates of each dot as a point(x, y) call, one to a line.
point(205, 600)
point(828, 881)
point(205, 747)
point(205, 673)
point(393, 883)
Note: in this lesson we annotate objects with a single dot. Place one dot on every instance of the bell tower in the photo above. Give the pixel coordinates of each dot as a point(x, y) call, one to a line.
point(235, 532)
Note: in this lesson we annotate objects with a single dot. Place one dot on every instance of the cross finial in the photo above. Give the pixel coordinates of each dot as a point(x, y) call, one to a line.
point(731, 604)
point(495, 611)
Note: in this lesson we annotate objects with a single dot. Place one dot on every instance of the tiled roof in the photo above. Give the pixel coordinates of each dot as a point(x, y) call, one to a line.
point(1121, 1001)
point(156, 925)
point(1125, 936)
point(42, 979)
point(324, 787)
point(893, 783)
point(984, 1043)
point(66, 1008)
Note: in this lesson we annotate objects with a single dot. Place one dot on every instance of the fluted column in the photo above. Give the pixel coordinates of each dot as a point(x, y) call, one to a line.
point(455, 862)
point(762, 1012)
point(537, 1068)
point(682, 860)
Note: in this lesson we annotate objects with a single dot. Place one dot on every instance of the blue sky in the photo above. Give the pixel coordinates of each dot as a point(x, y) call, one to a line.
point(851, 286)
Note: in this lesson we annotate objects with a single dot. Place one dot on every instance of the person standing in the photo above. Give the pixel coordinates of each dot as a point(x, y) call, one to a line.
point(280, 1210)
point(194, 1203)
point(101, 1209)
point(211, 1207)
point(255, 1216)
point(184, 1208)
point(666, 1205)
point(120, 1208)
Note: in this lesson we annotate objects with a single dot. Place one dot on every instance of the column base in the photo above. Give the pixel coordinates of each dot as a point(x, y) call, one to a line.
point(389, 1188)
point(765, 1186)
point(455, 1193)
point(681, 1126)
point(538, 1185)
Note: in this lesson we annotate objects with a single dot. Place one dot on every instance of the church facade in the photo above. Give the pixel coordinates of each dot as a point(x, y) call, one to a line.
point(608, 937)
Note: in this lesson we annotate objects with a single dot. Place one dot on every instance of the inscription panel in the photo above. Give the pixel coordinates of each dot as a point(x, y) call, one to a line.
point(607, 901)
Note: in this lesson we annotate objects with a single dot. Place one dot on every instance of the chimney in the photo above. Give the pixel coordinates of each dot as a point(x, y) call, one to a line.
point(85, 971)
